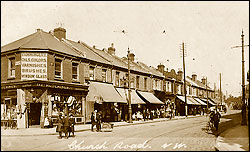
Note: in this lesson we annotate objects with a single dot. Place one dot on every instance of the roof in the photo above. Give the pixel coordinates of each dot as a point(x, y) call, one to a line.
point(150, 69)
point(88, 51)
point(112, 58)
point(196, 83)
point(40, 40)
point(134, 66)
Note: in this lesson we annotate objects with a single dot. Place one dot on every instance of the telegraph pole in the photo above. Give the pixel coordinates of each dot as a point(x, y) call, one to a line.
point(129, 91)
point(243, 111)
point(183, 57)
point(207, 93)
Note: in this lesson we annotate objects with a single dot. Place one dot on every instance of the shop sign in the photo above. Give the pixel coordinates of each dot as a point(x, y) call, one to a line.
point(33, 66)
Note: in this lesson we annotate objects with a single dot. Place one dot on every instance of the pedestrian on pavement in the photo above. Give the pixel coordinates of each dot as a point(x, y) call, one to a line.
point(93, 121)
point(99, 119)
point(66, 126)
point(144, 114)
point(72, 125)
point(60, 126)
point(216, 117)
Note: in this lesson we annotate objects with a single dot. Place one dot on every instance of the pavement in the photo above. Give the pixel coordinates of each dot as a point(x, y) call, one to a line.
point(80, 127)
point(234, 139)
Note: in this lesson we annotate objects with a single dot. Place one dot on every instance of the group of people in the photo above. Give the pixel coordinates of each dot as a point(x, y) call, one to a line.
point(66, 125)
point(96, 120)
point(214, 118)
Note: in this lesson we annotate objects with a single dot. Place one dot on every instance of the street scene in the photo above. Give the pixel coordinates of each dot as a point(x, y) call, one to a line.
point(124, 76)
point(171, 135)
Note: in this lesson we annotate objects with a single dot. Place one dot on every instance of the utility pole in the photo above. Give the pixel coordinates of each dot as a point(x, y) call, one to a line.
point(243, 111)
point(183, 57)
point(129, 91)
point(207, 93)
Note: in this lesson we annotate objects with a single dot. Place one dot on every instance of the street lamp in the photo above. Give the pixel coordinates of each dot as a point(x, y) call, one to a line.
point(243, 112)
point(129, 91)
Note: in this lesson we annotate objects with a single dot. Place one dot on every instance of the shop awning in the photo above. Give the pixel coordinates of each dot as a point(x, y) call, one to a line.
point(200, 101)
point(149, 97)
point(209, 101)
point(103, 92)
point(182, 98)
point(194, 101)
point(135, 99)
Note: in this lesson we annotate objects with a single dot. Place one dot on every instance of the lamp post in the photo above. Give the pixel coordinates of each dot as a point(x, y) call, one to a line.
point(129, 91)
point(243, 111)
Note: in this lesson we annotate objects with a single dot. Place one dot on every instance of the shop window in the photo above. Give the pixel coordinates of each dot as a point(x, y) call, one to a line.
point(117, 79)
point(11, 67)
point(58, 68)
point(75, 71)
point(91, 73)
point(9, 109)
point(104, 75)
point(137, 81)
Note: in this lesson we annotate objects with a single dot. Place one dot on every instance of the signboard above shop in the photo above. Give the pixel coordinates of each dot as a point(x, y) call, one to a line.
point(33, 66)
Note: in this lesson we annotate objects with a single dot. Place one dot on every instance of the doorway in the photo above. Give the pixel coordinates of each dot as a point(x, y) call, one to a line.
point(35, 113)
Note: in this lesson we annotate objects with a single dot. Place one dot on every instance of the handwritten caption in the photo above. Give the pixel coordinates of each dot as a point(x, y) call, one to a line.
point(75, 145)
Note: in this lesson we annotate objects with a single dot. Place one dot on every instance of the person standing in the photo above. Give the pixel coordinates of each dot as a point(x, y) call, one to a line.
point(217, 117)
point(93, 121)
point(72, 125)
point(59, 126)
point(66, 126)
point(99, 118)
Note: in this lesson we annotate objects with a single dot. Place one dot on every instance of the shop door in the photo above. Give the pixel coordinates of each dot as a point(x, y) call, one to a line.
point(35, 113)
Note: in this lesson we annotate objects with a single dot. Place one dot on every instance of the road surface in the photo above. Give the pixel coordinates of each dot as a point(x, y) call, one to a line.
point(180, 135)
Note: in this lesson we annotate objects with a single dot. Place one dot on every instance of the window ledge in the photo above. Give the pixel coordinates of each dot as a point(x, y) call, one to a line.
point(58, 79)
point(11, 78)
point(75, 81)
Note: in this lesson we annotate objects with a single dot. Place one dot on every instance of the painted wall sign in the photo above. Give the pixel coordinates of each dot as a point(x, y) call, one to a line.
point(33, 66)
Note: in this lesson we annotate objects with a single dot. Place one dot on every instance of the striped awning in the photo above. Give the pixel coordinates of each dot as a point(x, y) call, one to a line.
point(135, 99)
point(103, 92)
point(149, 97)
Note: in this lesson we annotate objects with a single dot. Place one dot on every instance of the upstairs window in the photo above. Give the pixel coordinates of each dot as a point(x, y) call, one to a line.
point(58, 68)
point(137, 81)
point(104, 75)
point(91, 73)
point(145, 83)
point(117, 79)
point(75, 71)
point(12, 67)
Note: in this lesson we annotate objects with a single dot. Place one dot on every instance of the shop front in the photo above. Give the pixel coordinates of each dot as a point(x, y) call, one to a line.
point(30, 103)
point(104, 98)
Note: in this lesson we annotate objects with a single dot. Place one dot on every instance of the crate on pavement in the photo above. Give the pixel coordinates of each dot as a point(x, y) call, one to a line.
point(107, 127)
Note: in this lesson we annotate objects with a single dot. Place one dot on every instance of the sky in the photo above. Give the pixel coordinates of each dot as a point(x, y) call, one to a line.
point(209, 30)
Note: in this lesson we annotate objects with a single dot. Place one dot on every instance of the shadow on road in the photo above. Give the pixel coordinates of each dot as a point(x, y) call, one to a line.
point(232, 120)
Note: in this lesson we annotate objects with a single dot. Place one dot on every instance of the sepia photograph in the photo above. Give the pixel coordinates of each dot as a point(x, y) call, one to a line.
point(124, 75)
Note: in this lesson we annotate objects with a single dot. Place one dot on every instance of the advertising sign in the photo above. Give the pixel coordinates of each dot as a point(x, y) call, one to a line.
point(33, 66)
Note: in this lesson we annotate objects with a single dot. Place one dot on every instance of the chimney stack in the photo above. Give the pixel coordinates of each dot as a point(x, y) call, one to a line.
point(132, 57)
point(203, 80)
point(60, 33)
point(111, 50)
point(180, 74)
point(194, 77)
point(161, 68)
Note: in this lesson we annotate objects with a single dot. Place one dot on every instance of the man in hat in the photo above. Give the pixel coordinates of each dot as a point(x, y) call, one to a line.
point(60, 126)
point(66, 125)
point(72, 125)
